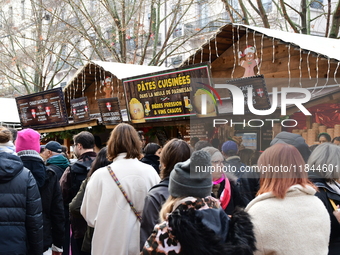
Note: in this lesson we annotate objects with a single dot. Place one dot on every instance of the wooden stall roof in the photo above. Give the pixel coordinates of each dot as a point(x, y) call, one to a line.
point(87, 74)
point(223, 39)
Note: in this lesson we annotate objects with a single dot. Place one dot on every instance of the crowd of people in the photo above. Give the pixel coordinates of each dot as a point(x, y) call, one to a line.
point(130, 197)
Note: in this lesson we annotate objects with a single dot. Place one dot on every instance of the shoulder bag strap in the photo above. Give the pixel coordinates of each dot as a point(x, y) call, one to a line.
point(114, 177)
point(332, 202)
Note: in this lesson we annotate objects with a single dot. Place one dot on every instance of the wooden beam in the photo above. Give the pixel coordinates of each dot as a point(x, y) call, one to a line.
point(90, 123)
point(110, 126)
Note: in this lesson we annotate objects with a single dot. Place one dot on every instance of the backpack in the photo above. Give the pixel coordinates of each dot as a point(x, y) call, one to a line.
point(56, 169)
point(78, 173)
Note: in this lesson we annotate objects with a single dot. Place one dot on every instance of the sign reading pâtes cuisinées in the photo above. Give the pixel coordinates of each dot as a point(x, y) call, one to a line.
point(80, 109)
point(43, 109)
point(110, 110)
point(170, 94)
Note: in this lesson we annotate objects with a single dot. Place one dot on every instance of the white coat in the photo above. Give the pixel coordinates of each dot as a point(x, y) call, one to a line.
point(116, 227)
point(296, 225)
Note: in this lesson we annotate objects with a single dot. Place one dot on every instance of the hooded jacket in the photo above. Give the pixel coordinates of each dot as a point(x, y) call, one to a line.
point(58, 163)
point(153, 160)
point(51, 198)
point(21, 222)
point(325, 193)
point(293, 139)
point(197, 226)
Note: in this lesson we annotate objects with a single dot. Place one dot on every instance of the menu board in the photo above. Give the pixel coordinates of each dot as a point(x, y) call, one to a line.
point(110, 110)
point(80, 109)
point(170, 94)
point(260, 98)
point(43, 109)
point(197, 130)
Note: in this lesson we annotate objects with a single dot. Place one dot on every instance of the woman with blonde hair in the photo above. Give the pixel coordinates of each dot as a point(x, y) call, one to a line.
point(324, 171)
point(287, 217)
point(114, 195)
point(193, 222)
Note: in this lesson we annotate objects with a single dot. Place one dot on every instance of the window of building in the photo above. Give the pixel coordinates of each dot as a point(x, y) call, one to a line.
point(10, 16)
point(203, 13)
point(267, 5)
point(93, 6)
point(316, 4)
point(177, 14)
point(176, 61)
point(22, 9)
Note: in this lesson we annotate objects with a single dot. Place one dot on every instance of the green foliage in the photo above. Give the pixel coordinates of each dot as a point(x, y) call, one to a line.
point(68, 134)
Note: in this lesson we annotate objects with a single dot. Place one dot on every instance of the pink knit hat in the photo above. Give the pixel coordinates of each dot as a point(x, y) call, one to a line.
point(27, 139)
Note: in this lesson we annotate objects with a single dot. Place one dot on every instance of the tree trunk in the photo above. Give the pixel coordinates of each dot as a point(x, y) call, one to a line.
point(303, 15)
point(334, 31)
point(263, 14)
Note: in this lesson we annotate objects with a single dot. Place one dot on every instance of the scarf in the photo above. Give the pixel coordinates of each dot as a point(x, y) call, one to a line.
point(8, 148)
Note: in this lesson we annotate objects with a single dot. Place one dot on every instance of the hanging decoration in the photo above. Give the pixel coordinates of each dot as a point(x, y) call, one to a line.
point(300, 68)
point(260, 64)
point(335, 72)
point(83, 85)
point(107, 86)
point(234, 53)
point(201, 54)
point(250, 62)
point(317, 73)
point(217, 55)
point(288, 65)
point(238, 42)
point(193, 58)
point(254, 43)
point(247, 36)
point(209, 51)
point(273, 43)
point(95, 82)
point(112, 85)
point(327, 78)
point(308, 67)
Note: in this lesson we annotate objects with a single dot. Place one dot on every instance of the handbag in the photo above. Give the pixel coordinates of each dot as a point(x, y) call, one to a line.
point(114, 177)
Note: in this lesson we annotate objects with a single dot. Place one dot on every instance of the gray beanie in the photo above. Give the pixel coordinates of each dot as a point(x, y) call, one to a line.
point(192, 177)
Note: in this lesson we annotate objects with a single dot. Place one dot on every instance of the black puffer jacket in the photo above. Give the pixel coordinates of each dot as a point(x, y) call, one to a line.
point(21, 222)
point(52, 201)
point(325, 193)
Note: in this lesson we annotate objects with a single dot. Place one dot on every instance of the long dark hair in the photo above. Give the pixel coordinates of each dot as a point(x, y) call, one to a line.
point(174, 151)
point(100, 161)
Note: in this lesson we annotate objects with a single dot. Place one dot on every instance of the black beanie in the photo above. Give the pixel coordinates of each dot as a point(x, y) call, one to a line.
point(192, 177)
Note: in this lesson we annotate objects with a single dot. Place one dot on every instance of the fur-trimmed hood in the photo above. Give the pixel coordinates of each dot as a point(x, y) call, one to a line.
point(199, 227)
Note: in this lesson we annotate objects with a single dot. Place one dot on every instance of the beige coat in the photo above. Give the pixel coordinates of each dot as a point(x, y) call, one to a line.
point(296, 225)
